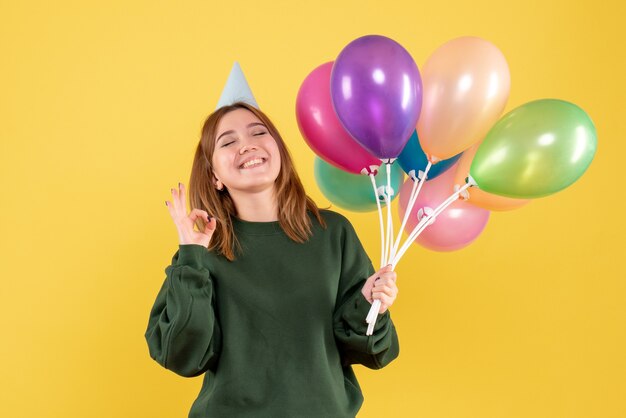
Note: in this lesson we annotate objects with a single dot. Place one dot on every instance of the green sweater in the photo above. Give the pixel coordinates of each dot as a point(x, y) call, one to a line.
point(276, 330)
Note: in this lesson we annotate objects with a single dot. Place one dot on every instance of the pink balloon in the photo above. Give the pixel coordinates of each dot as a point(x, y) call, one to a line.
point(454, 228)
point(322, 130)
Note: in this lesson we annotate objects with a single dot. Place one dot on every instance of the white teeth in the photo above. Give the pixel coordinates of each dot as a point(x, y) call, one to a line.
point(252, 162)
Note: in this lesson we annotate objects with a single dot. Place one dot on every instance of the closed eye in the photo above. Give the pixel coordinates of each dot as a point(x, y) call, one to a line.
point(260, 133)
point(226, 144)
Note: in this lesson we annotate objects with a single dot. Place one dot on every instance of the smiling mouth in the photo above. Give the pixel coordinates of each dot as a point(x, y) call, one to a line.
point(253, 163)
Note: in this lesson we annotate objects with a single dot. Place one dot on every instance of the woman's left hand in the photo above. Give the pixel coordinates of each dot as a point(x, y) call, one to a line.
point(381, 285)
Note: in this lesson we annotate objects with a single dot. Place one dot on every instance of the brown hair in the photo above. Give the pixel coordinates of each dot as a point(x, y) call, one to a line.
point(293, 201)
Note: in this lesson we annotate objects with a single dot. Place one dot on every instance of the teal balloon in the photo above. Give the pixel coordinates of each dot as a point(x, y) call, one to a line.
point(535, 150)
point(413, 157)
point(354, 192)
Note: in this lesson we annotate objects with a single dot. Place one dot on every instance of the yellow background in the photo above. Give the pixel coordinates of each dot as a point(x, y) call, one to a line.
point(100, 111)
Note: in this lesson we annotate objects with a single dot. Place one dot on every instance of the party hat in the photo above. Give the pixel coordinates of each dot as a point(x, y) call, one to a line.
point(236, 89)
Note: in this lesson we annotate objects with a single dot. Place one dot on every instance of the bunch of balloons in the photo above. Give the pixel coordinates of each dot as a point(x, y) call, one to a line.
point(444, 126)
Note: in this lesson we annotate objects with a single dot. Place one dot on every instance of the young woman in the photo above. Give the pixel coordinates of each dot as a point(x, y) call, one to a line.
point(268, 298)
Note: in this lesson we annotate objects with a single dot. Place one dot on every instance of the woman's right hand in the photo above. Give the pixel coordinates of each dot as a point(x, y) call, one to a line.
point(185, 223)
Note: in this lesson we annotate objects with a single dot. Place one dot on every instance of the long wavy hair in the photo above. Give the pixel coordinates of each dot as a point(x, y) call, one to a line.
point(293, 202)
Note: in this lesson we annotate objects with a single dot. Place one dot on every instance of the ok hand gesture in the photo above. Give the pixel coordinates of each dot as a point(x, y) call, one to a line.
point(185, 223)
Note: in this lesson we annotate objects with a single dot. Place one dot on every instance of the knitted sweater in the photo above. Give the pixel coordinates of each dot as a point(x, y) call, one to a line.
point(275, 331)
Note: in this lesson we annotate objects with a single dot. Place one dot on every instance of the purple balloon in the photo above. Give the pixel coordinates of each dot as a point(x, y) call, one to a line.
point(376, 91)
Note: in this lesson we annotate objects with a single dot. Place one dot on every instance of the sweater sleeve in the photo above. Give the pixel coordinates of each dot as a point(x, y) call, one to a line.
point(373, 351)
point(183, 334)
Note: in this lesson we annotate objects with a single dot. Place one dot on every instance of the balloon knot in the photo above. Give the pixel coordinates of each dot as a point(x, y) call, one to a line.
point(372, 169)
point(420, 176)
point(470, 180)
point(433, 159)
point(464, 195)
point(424, 212)
point(382, 190)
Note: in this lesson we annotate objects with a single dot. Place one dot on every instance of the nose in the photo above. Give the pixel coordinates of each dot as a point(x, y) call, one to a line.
point(247, 147)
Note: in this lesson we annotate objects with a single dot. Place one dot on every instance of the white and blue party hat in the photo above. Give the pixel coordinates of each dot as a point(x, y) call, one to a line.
point(236, 89)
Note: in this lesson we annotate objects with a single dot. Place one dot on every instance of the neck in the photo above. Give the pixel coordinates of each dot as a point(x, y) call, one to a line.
point(258, 206)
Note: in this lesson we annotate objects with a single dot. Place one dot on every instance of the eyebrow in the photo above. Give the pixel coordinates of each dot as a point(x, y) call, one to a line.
point(231, 131)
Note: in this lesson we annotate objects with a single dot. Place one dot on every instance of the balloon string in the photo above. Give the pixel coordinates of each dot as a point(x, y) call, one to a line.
point(370, 326)
point(371, 317)
point(380, 218)
point(414, 194)
point(374, 308)
point(373, 312)
point(421, 226)
point(389, 245)
point(389, 251)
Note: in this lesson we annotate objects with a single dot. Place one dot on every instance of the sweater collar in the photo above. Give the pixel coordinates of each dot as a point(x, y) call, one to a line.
point(256, 228)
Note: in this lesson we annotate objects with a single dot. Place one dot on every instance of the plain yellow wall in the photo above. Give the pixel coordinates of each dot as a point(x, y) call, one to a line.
point(100, 111)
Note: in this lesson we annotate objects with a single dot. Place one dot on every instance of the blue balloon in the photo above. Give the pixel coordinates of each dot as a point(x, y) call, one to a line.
point(413, 157)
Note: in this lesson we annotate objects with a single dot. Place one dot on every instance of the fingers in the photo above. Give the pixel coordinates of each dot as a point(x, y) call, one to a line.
point(211, 221)
point(383, 274)
point(210, 226)
point(182, 197)
point(178, 205)
point(385, 302)
point(174, 199)
point(199, 213)
point(385, 269)
point(178, 199)
point(170, 208)
point(385, 289)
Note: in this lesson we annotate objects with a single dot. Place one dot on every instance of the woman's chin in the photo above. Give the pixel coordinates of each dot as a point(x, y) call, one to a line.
point(254, 186)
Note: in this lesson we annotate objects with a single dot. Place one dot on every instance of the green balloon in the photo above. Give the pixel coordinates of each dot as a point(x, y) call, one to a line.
point(535, 150)
point(354, 191)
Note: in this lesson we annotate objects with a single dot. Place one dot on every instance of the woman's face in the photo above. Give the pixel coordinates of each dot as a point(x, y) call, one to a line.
point(246, 156)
